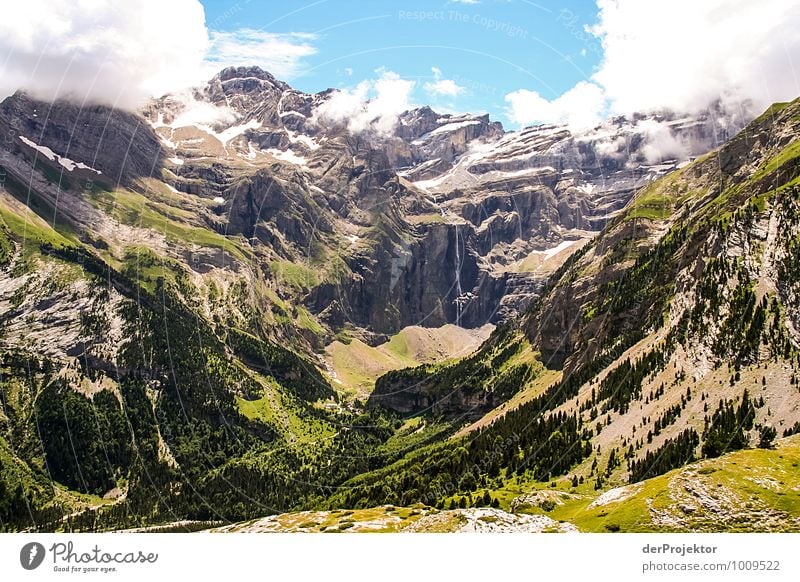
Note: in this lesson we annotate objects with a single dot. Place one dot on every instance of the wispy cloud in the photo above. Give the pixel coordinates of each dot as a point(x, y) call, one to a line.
point(282, 54)
point(121, 53)
point(580, 107)
point(117, 53)
point(440, 87)
point(683, 54)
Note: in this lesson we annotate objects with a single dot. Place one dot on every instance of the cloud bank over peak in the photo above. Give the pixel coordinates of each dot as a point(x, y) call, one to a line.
point(116, 53)
point(680, 55)
point(121, 53)
point(373, 104)
point(684, 54)
point(580, 107)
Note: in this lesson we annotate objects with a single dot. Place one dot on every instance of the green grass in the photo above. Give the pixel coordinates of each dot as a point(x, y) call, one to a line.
point(526, 393)
point(398, 345)
point(766, 480)
point(721, 208)
point(143, 265)
point(786, 155)
point(657, 200)
point(38, 222)
point(260, 410)
point(15, 471)
point(134, 209)
point(287, 416)
point(358, 365)
point(771, 111)
point(6, 247)
point(307, 321)
point(412, 435)
point(30, 231)
point(731, 476)
point(294, 275)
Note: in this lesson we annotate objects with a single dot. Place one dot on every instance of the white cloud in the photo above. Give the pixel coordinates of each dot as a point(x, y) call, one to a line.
point(680, 55)
point(280, 54)
point(660, 142)
point(121, 53)
point(442, 87)
point(580, 107)
point(372, 104)
point(202, 113)
point(100, 51)
point(613, 147)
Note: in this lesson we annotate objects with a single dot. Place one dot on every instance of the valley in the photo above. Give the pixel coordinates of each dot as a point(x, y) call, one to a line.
point(229, 310)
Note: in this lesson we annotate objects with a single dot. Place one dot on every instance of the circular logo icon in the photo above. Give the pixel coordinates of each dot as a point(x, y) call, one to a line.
point(31, 555)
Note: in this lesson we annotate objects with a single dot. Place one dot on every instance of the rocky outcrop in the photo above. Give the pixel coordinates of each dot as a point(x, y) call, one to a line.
point(396, 392)
point(119, 144)
point(429, 143)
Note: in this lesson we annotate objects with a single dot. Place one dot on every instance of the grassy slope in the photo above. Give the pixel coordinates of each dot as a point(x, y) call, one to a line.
point(30, 229)
point(751, 490)
point(133, 209)
point(526, 394)
point(173, 222)
point(357, 365)
point(748, 490)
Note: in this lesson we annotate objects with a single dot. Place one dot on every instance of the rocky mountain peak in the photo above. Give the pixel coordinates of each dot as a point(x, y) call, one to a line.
point(252, 72)
point(240, 81)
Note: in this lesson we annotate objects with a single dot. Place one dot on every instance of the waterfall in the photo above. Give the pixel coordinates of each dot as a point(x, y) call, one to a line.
point(461, 298)
point(459, 291)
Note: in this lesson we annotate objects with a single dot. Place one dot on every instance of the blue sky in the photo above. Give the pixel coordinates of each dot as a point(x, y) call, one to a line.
point(487, 48)
point(523, 61)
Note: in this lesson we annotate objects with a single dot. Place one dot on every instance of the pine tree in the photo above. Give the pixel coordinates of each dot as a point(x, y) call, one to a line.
point(766, 437)
point(747, 413)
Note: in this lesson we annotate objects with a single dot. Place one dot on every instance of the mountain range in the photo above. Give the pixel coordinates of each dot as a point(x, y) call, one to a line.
point(233, 304)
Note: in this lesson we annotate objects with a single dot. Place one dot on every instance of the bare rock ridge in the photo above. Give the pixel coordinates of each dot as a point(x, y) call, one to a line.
point(448, 218)
point(119, 144)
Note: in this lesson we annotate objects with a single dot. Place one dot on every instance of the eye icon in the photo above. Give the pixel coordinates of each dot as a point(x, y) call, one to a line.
point(31, 555)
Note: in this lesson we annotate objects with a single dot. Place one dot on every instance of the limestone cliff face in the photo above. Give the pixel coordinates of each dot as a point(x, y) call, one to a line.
point(119, 144)
point(447, 218)
point(420, 280)
point(429, 143)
